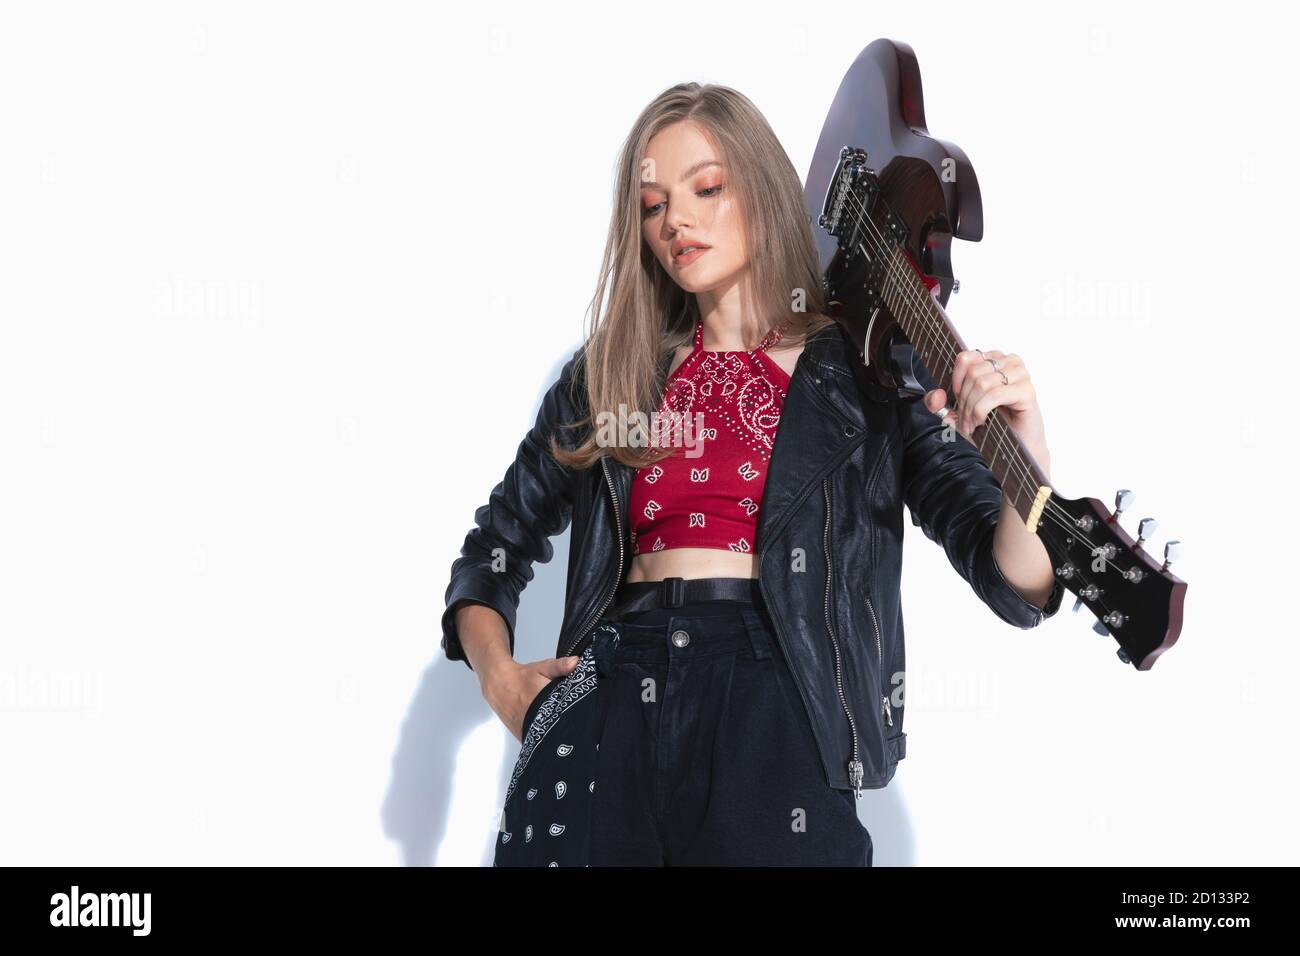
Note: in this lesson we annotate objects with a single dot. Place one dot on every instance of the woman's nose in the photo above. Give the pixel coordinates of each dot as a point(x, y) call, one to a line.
point(679, 219)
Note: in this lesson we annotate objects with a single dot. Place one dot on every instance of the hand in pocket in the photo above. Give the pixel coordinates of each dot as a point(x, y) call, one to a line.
point(513, 694)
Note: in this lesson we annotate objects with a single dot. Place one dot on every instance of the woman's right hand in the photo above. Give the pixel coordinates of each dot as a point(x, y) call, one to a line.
point(511, 687)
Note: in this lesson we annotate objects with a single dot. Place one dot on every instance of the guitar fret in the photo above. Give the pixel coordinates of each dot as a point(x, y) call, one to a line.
point(936, 344)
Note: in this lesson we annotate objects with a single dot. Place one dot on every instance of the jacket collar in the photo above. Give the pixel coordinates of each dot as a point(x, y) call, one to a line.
point(820, 425)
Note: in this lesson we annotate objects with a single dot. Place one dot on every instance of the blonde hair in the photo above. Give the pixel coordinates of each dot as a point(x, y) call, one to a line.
point(647, 315)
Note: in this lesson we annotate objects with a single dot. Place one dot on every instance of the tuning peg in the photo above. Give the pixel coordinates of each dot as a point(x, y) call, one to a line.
point(1172, 550)
point(956, 285)
point(1091, 592)
point(1123, 656)
point(1146, 528)
point(1123, 501)
point(1112, 618)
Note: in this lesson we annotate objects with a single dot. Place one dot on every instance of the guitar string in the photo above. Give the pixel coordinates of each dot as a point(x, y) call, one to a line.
point(912, 297)
point(1050, 510)
point(1004, 444)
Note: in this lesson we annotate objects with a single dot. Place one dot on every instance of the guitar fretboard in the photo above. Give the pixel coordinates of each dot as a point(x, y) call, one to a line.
point(937, 343)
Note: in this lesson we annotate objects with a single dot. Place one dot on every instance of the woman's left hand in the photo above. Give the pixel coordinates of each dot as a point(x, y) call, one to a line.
point(980, 387)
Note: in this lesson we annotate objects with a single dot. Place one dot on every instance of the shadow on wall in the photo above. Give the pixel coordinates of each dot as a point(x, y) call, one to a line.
point(448, 706)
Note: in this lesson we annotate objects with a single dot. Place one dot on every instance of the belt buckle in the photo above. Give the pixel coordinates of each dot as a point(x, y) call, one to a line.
point(674, 592)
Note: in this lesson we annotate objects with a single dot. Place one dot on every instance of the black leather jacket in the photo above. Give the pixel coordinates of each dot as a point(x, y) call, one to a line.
point(830, 543)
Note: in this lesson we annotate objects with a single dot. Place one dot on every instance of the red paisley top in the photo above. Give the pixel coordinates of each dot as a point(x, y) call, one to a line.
point(706, 494)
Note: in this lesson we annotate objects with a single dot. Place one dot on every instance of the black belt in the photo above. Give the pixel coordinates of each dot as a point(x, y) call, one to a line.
point(674, 592)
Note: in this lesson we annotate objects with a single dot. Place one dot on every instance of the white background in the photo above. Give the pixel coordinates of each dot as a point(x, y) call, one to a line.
point(282, 284)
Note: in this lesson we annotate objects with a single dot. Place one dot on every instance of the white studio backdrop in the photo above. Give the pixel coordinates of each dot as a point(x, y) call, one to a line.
point(282, 285)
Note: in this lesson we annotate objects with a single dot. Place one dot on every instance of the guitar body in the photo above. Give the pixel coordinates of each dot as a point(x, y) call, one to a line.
point(929, 184)
point(887, 199)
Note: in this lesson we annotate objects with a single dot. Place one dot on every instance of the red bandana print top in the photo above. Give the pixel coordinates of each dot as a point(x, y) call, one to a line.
point(711, 500)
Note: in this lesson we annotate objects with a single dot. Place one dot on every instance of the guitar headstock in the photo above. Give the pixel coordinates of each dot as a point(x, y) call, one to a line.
point(1135, 597)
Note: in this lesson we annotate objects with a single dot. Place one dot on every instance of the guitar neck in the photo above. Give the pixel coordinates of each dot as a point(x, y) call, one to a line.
point(937, 343)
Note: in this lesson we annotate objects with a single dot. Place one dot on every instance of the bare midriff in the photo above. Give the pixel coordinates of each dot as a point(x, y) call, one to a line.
point(692, 563)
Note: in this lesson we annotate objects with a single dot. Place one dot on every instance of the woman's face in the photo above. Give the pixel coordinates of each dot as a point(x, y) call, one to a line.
point(687, 199)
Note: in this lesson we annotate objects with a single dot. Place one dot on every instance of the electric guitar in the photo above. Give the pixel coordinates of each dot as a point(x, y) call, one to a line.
point(889, 199)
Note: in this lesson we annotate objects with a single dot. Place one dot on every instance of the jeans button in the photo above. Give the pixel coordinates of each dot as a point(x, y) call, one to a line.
point(681, 638)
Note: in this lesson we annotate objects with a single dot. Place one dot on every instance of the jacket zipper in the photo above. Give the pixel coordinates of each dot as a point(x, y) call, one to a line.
point(855, 764)
point(618, 523)
point(880, 665)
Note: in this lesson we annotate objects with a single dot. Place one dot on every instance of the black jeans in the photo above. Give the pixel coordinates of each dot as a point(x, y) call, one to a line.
point(695, 751)
point(707, 757)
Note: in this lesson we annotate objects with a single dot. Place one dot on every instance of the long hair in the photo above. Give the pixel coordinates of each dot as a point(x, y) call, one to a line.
point(639, 315)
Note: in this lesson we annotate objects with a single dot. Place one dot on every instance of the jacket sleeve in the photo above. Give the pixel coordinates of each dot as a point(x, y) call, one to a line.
point(530, 505)
point(954, 496)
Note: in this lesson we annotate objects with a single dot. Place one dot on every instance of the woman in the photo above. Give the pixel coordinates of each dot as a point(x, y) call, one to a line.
point(729, 728)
